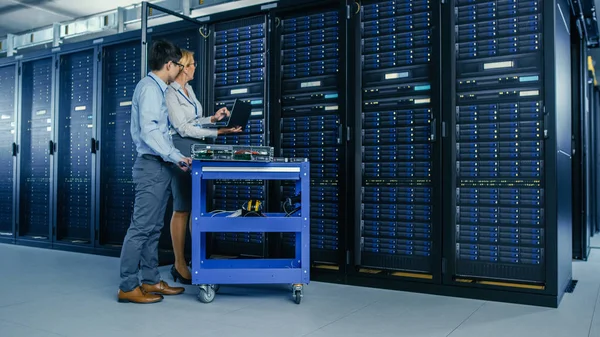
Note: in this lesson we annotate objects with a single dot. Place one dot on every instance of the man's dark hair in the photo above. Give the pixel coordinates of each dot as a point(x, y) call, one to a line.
point(162, 52)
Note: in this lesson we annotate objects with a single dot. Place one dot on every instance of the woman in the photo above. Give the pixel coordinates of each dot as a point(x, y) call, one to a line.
point(185, 117)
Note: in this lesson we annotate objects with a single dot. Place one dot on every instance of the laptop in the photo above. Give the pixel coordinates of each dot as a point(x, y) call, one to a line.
point(240, 113)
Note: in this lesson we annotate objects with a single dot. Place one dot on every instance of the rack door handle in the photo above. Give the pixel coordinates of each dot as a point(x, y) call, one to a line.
point(52, 147)
point(15, 149)
point(93, 145)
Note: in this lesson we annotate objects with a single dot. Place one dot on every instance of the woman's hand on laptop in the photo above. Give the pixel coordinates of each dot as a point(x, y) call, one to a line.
point(220, 114)
point(224, 131)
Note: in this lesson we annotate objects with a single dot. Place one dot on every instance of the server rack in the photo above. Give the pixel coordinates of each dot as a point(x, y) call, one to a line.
point(75, 135)
point(237, 63)
point(593, 146)
point(510, 142)
point(592, 149)
point(119, 73)
point(309, 76)
point(37, 147)
point(581, 224)
point(595, 106)
point(399, 157)
point(8, 150)
point(185, 37)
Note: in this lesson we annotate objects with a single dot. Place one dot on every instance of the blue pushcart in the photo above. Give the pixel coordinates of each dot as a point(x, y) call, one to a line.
point(207, 273)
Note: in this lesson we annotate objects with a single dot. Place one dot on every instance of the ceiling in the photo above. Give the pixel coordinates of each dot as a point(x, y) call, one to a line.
point(18, 16)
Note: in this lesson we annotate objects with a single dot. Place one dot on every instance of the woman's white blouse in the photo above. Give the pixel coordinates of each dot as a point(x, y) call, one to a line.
point(185, 113)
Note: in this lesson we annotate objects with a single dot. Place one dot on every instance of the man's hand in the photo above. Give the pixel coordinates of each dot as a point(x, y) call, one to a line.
point(185, 164)
point(220, 114)
point(225, 131)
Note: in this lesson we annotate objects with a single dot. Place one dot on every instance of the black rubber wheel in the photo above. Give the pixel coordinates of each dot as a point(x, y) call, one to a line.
point(297, 296)
point(206, 296)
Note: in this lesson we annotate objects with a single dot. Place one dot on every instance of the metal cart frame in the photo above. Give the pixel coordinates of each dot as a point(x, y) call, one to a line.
point(209, 273)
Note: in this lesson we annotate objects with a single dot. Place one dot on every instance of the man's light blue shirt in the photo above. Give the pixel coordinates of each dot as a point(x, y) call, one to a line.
point(149, 120)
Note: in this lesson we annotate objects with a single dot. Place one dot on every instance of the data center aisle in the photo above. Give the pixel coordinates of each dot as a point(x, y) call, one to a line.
point(56, 293)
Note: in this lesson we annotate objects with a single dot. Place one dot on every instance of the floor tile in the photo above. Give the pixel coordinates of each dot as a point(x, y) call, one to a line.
point(405, 315)
point(595, 241)
point(53, 293)
point(8, 329)
point(595, 325)
point(282, 313)
point(572, 318)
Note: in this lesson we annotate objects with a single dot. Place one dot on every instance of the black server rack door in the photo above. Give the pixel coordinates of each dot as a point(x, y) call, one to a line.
point(8, 149)
point(579, 187)
point(397, 139)
point(596, 111)
point(238, 61)
point(557, 126)
point(75, 147)
point(593, 150)
point(121, 73)
point(36, 149)
point(499, 229)
point(188, 40)
point(588, 153)
point(310, 85)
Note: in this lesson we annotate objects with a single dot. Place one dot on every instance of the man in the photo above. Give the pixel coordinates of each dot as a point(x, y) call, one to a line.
point(156, 156)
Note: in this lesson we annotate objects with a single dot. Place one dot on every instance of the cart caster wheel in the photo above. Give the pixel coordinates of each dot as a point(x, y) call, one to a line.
point(206, 294)
point(216, 287)
point(297, 296)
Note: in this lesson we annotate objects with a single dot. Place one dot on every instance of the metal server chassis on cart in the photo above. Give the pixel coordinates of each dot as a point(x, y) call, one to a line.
point(209, 273)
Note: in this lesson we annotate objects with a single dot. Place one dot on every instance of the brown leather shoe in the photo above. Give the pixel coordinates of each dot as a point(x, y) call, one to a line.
point(162, 288)
point(138, 295)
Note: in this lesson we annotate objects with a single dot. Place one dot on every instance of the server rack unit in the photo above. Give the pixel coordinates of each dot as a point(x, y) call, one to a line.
point(76, 145)
point(399, 157)
point(238, 51)
point(36, 118)
point(510, 143)
point(8, 150)
point(310, 74)
point(120, 73)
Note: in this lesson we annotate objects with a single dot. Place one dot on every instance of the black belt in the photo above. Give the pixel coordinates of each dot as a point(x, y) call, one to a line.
point(153, 157)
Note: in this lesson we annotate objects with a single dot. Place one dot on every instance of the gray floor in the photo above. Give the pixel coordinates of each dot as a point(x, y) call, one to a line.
point(54, 293)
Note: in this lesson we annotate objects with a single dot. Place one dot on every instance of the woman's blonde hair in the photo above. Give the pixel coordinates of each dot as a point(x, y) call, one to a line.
point(187, 57)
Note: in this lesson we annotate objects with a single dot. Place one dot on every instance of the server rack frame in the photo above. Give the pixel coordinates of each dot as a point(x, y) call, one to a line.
point(292, 10)
point(24, 240)
point(102, 248)
point(399, 279)
point(557, 157)
point(178, 29)
point(595, 110)
point(12, 62)
point(226, 247)
point(204, 84)
point(59, 53)
point(581, 225)
point(592, 191)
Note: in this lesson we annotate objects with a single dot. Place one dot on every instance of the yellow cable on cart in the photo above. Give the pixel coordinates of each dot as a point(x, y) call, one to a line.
point(590, 63)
